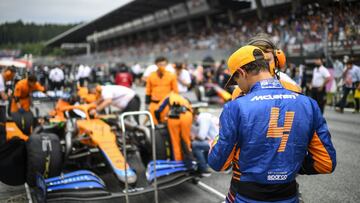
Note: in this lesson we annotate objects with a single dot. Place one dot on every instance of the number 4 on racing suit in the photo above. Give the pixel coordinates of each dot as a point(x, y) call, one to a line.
point(270, 135)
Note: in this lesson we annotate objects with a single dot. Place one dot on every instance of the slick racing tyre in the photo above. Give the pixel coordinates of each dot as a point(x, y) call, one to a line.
point(13, 162)
point(163, 144)
point(44, 157)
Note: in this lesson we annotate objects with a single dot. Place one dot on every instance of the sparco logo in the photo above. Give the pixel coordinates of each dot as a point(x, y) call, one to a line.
point(277, 177)
point(272, 97)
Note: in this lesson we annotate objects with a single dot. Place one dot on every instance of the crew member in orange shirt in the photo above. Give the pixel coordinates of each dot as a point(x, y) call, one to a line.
point(159, 85)
point(22, 93)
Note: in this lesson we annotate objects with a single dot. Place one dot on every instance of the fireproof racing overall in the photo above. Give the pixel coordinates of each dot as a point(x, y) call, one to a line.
point(270, 135)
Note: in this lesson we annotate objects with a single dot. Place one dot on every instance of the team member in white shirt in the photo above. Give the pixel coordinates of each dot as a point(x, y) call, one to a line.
point(137, 72)
point(83, 74)
point(152, 68)
point(204, 130)
point(321, 76)
point(121, 97)
point(183, 78)
point(57, 77)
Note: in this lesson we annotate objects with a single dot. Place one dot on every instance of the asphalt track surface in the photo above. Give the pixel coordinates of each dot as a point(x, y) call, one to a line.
point(341, 186)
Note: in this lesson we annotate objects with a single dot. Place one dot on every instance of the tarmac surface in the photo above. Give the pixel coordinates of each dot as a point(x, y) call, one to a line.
point(341, 186)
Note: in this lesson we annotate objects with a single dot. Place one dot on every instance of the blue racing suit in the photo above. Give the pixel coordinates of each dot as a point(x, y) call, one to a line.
point(269, 136)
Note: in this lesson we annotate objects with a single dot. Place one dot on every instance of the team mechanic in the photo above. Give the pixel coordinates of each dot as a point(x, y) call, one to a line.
point(269, 135)
point(21, 99)
point(176, 111)
point(121, 97)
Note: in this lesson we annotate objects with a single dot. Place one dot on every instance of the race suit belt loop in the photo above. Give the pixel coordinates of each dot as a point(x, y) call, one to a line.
point(264, 192)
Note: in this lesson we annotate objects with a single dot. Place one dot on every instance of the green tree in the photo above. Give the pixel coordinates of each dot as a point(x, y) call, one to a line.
point(29, 37)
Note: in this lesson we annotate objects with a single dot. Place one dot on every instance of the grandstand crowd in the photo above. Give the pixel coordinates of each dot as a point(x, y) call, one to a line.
point(311, 23)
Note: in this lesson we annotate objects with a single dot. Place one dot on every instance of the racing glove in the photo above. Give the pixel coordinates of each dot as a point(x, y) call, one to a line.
point(307, 167)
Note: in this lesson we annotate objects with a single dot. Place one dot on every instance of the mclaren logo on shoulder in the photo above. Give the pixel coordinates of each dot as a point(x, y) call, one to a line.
point(272, 97)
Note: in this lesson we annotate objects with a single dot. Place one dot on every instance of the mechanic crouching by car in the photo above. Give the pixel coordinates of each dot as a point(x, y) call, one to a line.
point(7, 75)
point(121, 97)
point(269, 135)
point(176, 111)
point(22, 94)
point(204, 129)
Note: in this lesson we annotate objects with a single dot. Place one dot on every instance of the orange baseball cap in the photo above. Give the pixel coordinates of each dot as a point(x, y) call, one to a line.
point(240, 58)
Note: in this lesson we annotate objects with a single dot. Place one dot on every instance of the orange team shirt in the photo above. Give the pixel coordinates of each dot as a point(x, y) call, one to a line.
point(22, 91)
point(158, 88)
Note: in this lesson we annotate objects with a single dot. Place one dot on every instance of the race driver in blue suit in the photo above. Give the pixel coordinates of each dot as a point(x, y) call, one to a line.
point(269, 135)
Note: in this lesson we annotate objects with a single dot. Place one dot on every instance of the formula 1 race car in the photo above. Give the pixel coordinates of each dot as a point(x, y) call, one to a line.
point(77, 155)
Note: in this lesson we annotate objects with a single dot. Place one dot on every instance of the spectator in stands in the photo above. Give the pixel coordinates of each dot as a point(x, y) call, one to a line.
point(307, 26)
point(320, 78)
point(56, 76)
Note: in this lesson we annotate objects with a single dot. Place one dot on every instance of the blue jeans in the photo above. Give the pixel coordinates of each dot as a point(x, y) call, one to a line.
point(199, 149)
